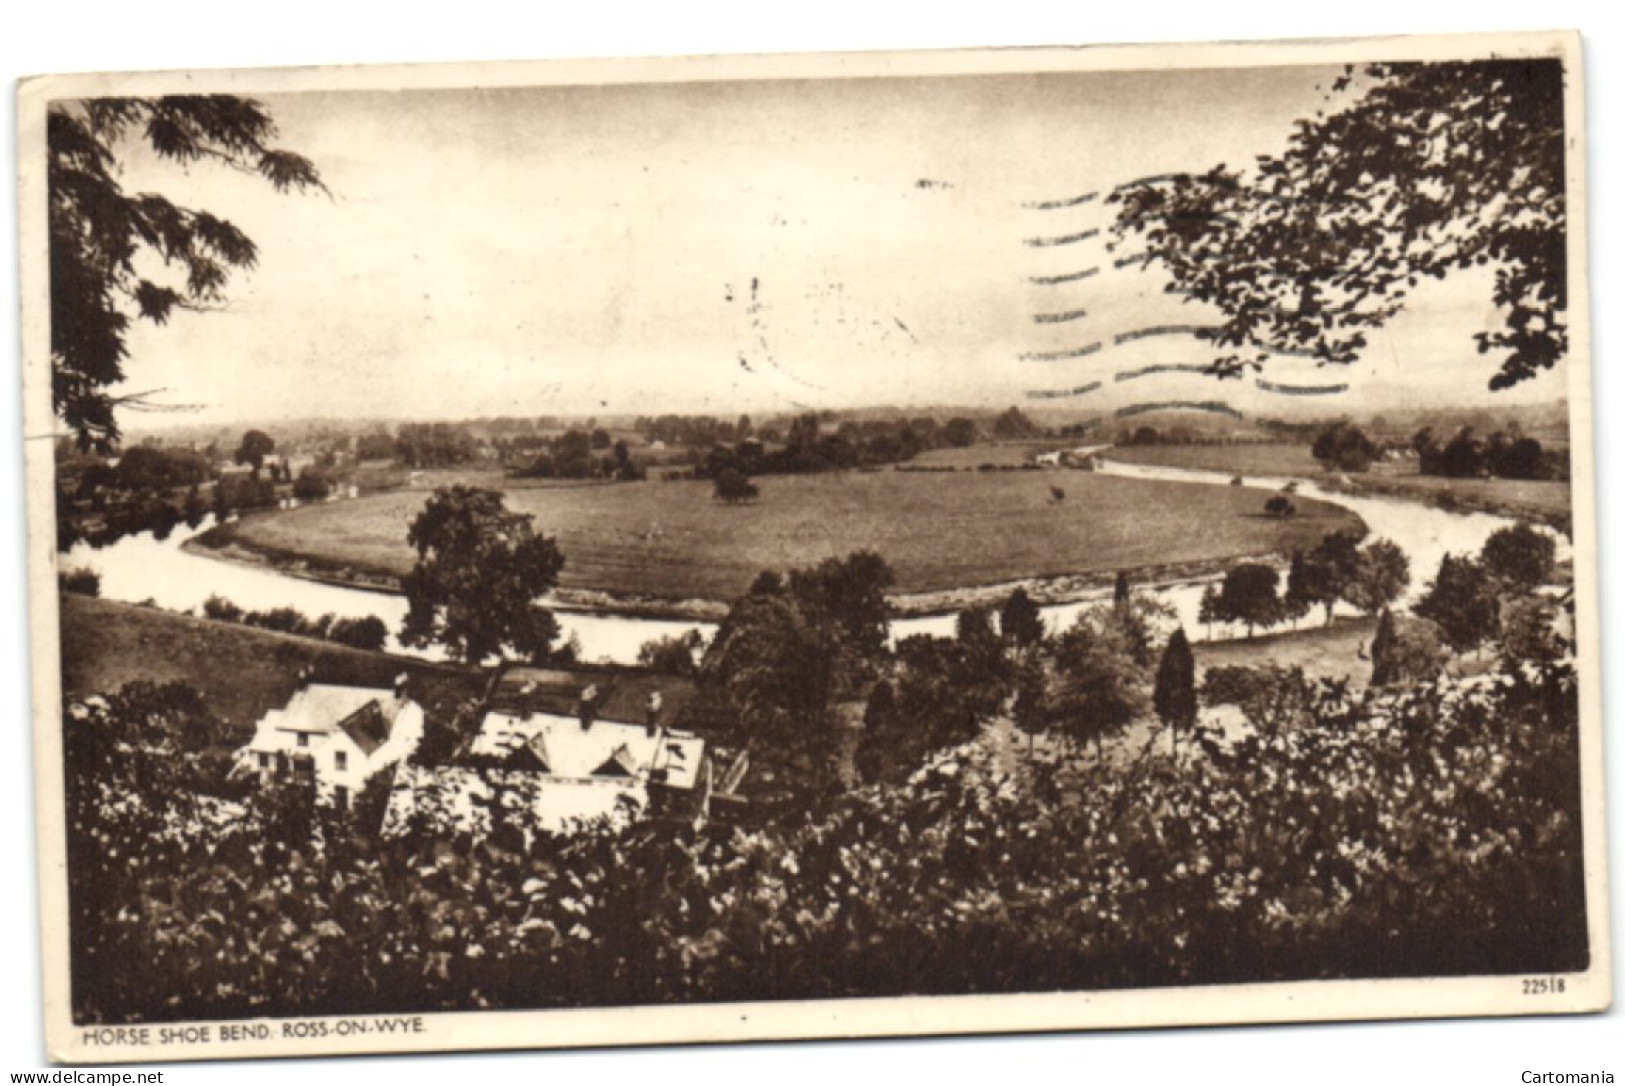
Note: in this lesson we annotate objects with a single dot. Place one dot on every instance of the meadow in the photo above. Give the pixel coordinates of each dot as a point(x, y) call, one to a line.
point(938, 530)
point(1541, 499)
point(1261, 459)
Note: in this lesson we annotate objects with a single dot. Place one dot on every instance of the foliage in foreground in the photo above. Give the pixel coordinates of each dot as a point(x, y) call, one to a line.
point(1429, 832)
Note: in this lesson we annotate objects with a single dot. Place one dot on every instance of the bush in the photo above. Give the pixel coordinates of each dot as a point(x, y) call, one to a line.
point(1432, 832)
point(312, 486)
point(360, 633)
point(676, 655)
point(85, 582)
point(222, 610)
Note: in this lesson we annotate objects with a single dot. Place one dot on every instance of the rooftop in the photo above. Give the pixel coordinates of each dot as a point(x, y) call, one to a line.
point(323, 708)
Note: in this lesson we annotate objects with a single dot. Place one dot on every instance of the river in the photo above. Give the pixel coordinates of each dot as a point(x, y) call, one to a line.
point(140, 568)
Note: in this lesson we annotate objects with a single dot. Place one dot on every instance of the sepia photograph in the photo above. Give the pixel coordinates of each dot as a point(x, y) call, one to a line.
point(650, 551)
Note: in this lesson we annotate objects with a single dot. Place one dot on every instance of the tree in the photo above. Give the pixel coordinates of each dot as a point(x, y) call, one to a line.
point(959, 432)
point(790, 648)
point(86, 582)
point(479, 572)
point(1344, 447)
point(1279, 506)
point(1100, 687)
point(1381, 575)
point(1382, 650)
point(1295, 601)
point(1031, 711)
point(1411, 170)
point(1020, 619)
point(1529, 633)
point(1014, 425)
point(673, 655)
point(1462, 601)
point(312, 485)
point(1120, 589)
point(1174, 695)
point(1523, 459)
point(1248, 595)
point(1329, 569)
point(775, 668)
point(105, 243)
point(572, 455)
point(1207, 612)
point(1410, 649)
point(1520, 555)
point(982, 652)
point(1464, 457)
point(851, 591)
point(360, 633)
point(255, 446)
point(732, 487)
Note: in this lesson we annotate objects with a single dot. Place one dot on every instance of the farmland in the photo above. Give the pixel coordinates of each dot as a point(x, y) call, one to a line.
point(1541, 499)
point(1273, 459)
point(938, 530)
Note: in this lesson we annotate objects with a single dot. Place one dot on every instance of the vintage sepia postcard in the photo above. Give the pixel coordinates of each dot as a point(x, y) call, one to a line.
point(644, 551)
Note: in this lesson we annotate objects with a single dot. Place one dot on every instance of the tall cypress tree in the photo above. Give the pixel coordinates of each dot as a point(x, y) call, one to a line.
point(1174, 696)
point(1383, 669)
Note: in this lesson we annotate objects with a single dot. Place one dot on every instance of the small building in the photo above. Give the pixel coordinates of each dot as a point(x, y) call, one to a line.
point(341, 735)
point(1085, 457)
point(1082, 458)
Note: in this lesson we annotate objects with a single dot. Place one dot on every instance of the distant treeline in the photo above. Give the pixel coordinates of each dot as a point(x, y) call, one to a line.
point(1505, 454)
point(808, 448)
point(577, 454)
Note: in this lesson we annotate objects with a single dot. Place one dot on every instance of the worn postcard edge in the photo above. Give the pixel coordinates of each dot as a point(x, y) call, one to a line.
point(711, 1023)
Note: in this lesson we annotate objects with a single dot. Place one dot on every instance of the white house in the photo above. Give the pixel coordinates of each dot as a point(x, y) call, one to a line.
point(341, 734)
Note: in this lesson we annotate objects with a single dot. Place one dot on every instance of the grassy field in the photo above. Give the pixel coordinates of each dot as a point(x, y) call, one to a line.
point(1240, 459)
point(938, 531)
point(1538, 498)
point(1004, 452)
point(241, 672)
point(1541, 499)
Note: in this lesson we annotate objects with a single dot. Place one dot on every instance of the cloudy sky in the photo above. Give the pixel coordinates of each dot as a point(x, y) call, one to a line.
point(744, 246)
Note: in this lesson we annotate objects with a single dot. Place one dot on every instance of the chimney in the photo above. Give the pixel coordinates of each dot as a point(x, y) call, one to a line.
point(652, 714)
point(400, 687)
point(588, 705)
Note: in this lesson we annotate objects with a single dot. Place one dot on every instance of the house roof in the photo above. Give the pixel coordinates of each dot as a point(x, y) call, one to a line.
point(622, 697)
point(368, 727)
point(322, 708)
point(557, 745)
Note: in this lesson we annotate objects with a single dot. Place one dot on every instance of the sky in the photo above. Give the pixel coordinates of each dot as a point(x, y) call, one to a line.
point(733, 247)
